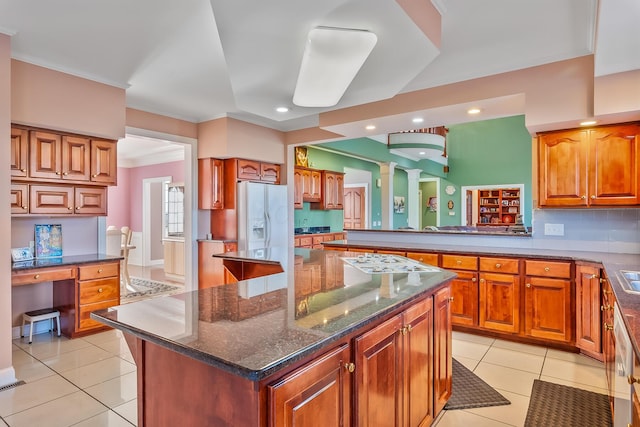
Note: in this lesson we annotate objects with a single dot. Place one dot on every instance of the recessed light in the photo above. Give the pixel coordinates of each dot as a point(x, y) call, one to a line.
point(418, 120)
point(588, 123)
point(370, 127)
point(473, 111)
point(282, 109)
point(422, 153)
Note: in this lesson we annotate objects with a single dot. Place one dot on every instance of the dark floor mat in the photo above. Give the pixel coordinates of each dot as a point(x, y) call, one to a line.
point(469, 391)
point(559, 405)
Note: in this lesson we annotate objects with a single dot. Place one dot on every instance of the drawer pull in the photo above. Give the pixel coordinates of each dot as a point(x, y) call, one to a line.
point(473, 279)
point(99, 270)
point(24, 207)
point(593, 276)
point(65, 173)
point(547, 269)
point(458, 262)
point(607, 327)
point(37, 276)
point(450, 299)
point(350, 367)
point(94, 175)
point(57, 173)
point(498, 265)
point(99, 290)
point(69, 208)
point(77, 208)
point(593, 196)
point(528, 285)
point(23, 170)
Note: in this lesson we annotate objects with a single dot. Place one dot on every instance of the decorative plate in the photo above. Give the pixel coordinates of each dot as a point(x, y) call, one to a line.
point(450, 189)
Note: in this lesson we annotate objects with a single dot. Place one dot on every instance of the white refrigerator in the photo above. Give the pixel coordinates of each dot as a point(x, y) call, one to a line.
point(262, 216)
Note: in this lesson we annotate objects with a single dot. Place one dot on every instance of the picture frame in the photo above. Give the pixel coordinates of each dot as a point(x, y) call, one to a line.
point(302, 157)
point(433, 203)
point(398, 204)
point(21, 254)
point(48, 240)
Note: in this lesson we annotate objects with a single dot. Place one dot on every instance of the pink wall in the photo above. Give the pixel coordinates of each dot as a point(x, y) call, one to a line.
point(125, 200)
point(119, 208)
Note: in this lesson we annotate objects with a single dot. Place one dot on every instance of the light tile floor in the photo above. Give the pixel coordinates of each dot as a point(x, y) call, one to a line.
point(91, 381)
point(511, 368)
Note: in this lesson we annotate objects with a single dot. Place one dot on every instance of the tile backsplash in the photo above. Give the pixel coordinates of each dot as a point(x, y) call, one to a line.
point(612, 230)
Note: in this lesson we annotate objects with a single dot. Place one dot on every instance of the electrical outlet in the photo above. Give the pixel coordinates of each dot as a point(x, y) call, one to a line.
point(554, 229)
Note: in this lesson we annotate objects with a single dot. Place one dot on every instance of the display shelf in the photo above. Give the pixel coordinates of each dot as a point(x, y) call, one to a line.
point(498, 206)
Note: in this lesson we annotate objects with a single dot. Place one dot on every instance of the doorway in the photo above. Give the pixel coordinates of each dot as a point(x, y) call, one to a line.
point(356, 200)
point(429, 198)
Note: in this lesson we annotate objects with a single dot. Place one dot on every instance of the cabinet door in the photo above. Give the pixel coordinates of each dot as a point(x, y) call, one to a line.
point(464, 306)
point(45, 155)
point(210, 184)
point(91, 200)
point(19, 198)
point(104, 162)
point(319, 392)
point(270, 172)
point(548, 309)
point(19, 152)
point(298, 188)
point(588, 313)
point(614, 172)
point(442, 368)
point(329, 195)
point(562, 172)
point(248, 170)
point(339, 192)
point(500, 302)
point(378, 381)
point(76, 158)
point(608, 337)
point(51, 199)
point(418, 365)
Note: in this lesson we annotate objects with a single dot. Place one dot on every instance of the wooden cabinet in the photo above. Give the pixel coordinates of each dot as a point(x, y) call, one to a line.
point(104, 162)
point(498, 206)
point(252, 170)
point(332, 191)
point(423, 257)
point(67, 200)
point(589, 309)
point(174, 258)
point(211, 271)
point(608, 336)
point(210, 184)
point(548, 301)
point(499, 295)
point(96, 286)
point(307, 186)
point(590, 167)
point(19, 153)
point(19, 199)
point(394, 365)
point(320, 390)
point(464, 289)
point(442, 368)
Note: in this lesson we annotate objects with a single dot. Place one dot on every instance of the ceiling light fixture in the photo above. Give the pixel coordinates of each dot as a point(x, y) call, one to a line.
point(332, 58)
point(427, 143)
point(473, 111)
point(282, 109)
point(370, 127)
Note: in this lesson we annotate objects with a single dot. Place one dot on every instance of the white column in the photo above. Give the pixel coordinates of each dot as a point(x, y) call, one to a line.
point(413, 202)
point(386, 197)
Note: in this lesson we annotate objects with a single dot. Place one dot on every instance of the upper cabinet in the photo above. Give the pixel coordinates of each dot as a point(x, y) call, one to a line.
point(307, 186)
point(211, 184)
point(590, 167)
point(332, 191)
point(252, 170)
point(54, 173)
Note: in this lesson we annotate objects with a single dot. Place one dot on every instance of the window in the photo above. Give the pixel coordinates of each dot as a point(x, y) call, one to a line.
point(173, 214)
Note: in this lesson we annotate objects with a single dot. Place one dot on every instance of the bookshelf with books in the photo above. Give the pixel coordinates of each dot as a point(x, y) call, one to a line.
point(498, 206)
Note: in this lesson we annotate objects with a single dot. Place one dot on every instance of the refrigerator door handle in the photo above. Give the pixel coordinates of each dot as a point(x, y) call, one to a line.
point(267, 229)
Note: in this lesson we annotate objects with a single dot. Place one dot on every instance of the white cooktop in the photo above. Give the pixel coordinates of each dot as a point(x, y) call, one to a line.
point(381, 263)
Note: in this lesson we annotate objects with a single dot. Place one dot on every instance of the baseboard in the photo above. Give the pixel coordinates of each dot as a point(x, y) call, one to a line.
point(41, 327)
point(7, 376)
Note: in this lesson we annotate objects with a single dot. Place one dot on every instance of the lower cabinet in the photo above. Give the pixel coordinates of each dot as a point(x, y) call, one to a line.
point(548, 301)
point(500, 302)
point(588, 309)
point(608, 337)
point(318, 392)
point(442, 368)
point(174, 258)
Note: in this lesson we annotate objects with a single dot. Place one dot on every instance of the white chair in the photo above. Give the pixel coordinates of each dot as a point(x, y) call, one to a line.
point(125, 245)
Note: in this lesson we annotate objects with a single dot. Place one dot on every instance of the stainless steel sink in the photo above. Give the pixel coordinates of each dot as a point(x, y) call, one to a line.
point(630, 281)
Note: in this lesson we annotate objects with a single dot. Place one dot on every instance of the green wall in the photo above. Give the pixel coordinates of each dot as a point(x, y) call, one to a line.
point(489, 152)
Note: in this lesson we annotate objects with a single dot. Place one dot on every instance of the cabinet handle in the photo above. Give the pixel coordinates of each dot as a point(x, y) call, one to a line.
point(528, 285)
point(100, 290)
point(606, 292)
point(607, 327)
point(350, 367)
point(583, 197)
point(99, 270)
point(403, 330)
point(458, 262)
point(94, 175)
point(37, 276)
point(58, 173)
point(631, 379)
point(547, 269)
point(450, 299)
point(77, 208)
point(498, 265)
point(593, 276)
point(69, 208)
point(24, 207)
point(65, 173)
point(473, 279)
point(481, 280)
point(593, 197)
point(23, 170)
point(605, 307)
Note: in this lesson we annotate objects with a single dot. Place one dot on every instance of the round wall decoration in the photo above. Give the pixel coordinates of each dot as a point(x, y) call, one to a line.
point(450, 189)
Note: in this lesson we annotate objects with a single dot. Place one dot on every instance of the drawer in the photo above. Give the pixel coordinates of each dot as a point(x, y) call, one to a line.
point(425, 258)
point(500, 265)
point(548, 269)
point(230, 247)
point(306, 241)
point(84, 313)
point(317, 240)
point(42, 275)
point(460, 262)
point(98, 271)
point(92, 291)
point(391, 252)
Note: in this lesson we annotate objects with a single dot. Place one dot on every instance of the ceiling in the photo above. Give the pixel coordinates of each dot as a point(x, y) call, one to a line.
point(199, 60)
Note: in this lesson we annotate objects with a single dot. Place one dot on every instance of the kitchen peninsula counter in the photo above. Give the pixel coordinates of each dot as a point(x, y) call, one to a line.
point(208, 357)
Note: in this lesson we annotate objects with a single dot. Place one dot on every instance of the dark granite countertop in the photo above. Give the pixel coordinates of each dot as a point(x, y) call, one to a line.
point(613, 263)
point(257, 327)
point(62, 261)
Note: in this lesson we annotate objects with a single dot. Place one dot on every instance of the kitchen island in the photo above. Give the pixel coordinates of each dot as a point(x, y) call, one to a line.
point(335, 337)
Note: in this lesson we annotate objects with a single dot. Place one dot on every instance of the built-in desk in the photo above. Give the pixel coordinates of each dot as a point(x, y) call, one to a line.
point(81, 284)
